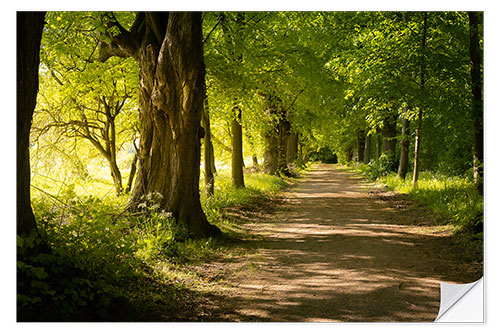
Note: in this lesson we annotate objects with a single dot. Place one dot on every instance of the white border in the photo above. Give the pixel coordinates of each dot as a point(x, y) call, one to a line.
point(8, 138)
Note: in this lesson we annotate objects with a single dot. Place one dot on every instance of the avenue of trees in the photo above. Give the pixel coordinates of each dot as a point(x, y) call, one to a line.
point(159, 103)
point(272, 87)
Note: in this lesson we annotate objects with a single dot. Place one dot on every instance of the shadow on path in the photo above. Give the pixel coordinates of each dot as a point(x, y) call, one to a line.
point(336, 253)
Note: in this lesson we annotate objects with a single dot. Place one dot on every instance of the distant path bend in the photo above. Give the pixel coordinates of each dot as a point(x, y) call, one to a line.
point(336, 252)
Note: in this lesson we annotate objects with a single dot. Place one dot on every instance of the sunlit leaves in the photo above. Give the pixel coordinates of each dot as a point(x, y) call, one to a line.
point(73, 86)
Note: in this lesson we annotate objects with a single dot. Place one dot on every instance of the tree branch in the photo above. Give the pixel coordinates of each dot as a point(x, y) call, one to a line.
point(124, 44)
point(215, 26)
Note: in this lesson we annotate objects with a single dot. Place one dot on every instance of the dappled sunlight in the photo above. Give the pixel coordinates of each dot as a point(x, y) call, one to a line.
point(337, 255)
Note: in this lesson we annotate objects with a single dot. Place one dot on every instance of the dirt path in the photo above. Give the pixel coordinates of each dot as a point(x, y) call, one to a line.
point(337, 252)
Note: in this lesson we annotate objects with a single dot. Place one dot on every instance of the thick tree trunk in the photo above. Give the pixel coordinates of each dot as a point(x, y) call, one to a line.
point(404, 145)
point(208, 153)
point(418, 131)
point(169, 50)
point(29, 34)
point(147, 59)
point(237, 150)
point(368, 148)
point(477, 98)
point(389, 132)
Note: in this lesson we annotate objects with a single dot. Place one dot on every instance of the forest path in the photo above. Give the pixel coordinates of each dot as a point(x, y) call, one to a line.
point(336, 250)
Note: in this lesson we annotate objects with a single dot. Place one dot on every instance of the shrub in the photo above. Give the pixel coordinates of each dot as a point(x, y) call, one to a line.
point(387, 163)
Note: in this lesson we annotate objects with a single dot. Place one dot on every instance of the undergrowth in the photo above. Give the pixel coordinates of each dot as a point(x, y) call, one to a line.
point(105, 263)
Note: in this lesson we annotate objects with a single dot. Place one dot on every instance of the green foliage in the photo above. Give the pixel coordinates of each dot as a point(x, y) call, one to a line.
point(71, 128)
point(323, 154)
point(55, 286)
point(387, 163)
point(97, 253)
point(157, 232)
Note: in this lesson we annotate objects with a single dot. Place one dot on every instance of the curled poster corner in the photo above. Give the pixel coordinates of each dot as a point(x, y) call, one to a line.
point(461, 303)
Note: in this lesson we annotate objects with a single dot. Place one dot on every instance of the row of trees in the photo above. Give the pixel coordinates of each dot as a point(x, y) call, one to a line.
point(419, 68)
point(269, 86)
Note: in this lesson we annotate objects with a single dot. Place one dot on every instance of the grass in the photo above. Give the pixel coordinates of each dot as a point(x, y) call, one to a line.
point(257, 186)
point(455, 199)
point(103, 261)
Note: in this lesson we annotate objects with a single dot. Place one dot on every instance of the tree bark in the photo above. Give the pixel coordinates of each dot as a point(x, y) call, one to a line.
point(208, 153)
point(418, 134)
point(29, 34)
point(169, 50)
point(368, 148)
point(389, 132)
point(237, 150)
point(477, 98)
point(404, 145)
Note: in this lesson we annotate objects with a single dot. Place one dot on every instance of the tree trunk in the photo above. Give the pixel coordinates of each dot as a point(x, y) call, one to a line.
point(360, 147)
point(133, 168)
point(389, 132)
point(208, 153)
point(404, 145)
point(270, 164)
point(169, 50)
point(29, 34)
point(291, 148)
point(116, 175)
point(477, 98)
point(368, 148)
point(378, 145)
point(418, 138)
point(237, 150)
point(283, 134)
point(418, 134)
point(271, 138)
point(348, 154)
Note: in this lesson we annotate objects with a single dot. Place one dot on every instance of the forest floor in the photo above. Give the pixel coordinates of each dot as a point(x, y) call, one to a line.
point(336, 248)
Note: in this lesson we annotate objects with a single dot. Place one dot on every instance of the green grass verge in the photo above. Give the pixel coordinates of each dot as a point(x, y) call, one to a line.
point(455, 199)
